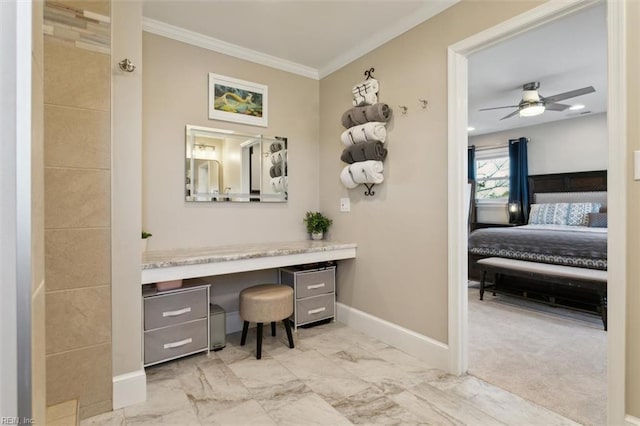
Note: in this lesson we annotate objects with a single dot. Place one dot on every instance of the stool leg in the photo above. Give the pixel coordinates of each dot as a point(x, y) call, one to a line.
point(259, 346)
point(273, 328)
point(288, 328)
point(245, 328)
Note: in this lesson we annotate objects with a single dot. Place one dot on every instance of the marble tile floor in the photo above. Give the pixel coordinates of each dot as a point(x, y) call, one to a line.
point(334, 376)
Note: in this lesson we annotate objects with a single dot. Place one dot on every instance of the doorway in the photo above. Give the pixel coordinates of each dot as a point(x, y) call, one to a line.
point(457, 166)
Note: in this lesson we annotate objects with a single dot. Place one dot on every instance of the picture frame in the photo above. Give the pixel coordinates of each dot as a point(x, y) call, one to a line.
point(238, 101)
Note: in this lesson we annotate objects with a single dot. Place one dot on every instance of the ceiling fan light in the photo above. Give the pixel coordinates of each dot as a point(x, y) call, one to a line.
point(532, 110)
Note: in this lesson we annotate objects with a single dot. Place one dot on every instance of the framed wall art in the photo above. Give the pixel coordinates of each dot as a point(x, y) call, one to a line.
point(239, 101)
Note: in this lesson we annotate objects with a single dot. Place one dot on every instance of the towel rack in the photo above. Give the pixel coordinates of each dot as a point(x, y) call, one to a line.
point(369, 192)
point(369, 73)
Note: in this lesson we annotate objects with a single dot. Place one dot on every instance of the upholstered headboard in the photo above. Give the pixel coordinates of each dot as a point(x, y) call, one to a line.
point(571, 197)
point(562, 183)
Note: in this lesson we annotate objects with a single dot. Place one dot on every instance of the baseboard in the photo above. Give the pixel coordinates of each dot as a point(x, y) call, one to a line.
point(129, 389)
point(429, 350)
point(632, 420)
point(234, 322)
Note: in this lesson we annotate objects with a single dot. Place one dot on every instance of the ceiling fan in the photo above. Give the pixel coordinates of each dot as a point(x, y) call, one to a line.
point(533, 104)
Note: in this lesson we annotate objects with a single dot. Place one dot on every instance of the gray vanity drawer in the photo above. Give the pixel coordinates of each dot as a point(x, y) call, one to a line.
point(174, 341)
point(315, 308)
point(314, 283)
point(175, 308)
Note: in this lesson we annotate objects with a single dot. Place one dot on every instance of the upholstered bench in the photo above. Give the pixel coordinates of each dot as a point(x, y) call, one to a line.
point(571, 276)
point(266, 303)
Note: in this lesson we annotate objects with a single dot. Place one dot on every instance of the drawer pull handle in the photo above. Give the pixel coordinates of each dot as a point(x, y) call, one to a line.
point(317, 311)
point(178, 343)
point(177, 313)
point(314, 286)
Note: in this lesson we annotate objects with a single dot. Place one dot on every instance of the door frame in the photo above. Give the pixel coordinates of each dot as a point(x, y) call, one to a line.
point(617, 173)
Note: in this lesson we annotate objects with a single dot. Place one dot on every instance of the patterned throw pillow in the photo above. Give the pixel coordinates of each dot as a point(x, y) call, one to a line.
point(597, 220)
point(549, 214)
point(574, 214)
point(578, 213)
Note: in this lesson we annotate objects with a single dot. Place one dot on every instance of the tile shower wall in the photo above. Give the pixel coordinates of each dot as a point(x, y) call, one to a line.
point(38, 351)
point(77, 174)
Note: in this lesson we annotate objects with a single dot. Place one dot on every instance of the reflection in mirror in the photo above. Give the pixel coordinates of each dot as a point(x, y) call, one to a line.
point(222, 165)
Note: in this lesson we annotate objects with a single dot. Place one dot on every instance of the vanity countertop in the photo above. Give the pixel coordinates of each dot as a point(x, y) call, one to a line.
point(207, 255)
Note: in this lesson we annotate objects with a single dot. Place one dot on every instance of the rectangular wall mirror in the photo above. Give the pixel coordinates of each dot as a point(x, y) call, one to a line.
point(222, 165)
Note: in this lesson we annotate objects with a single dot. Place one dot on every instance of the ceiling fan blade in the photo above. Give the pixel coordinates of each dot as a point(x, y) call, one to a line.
point(555, 107)
point(570, 94)
point(511, 115)
point(508, 106)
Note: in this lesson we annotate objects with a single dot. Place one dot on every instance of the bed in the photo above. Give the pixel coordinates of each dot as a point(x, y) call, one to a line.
point(567, 227)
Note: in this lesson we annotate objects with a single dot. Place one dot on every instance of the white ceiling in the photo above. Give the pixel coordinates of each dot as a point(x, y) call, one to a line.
point(321, 36)
point(564, 55)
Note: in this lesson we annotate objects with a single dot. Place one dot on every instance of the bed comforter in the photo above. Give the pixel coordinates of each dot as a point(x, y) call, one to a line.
point(579, 246)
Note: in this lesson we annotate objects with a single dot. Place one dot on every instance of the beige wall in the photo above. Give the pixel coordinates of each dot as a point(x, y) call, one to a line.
point(404, 226)
point(175, 84)
point(633, 211)
point(38, 351)
point(77, 219)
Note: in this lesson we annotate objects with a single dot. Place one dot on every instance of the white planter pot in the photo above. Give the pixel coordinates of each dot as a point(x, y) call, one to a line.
point(317, 235)
point(143, 245)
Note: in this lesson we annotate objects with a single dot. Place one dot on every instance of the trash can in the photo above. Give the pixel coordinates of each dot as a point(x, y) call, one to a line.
point(217, 327)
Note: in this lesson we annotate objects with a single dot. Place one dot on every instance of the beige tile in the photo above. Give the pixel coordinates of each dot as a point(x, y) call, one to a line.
point(76, 77)
point(62, 410)
point(77, 198)
point(84, 374)
point(78, 318)
point(36, 31)
point(87, 411)
point(77, 137)
point(37, 177)
point(97, 6)
point(77, 258)
point(65, 421)
point(38, 356)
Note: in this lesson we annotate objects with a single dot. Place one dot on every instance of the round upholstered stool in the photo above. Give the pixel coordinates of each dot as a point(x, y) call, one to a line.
point(263, 304)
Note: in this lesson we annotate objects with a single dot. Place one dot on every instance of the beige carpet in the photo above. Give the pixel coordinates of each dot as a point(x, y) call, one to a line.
point(558, 363)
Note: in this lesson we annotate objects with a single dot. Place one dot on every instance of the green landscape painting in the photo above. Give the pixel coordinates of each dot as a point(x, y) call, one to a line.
point(237, 101)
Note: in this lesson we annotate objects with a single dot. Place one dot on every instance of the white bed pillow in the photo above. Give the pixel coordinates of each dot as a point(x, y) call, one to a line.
point(572, 214)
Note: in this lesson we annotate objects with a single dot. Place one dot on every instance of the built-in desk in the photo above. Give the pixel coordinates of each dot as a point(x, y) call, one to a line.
point(170, 265)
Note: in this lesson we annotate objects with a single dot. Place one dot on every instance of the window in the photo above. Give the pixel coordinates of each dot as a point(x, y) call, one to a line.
point(492, 175)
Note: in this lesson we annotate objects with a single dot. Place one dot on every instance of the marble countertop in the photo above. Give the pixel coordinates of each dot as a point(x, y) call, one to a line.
point(195, 256)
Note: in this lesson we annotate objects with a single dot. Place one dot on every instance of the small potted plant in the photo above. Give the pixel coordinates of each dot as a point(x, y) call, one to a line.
point(317, 224)
point(145, 236)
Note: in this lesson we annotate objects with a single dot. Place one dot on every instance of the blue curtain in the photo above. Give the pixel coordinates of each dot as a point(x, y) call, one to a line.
point(471, 162)
point(518, 181)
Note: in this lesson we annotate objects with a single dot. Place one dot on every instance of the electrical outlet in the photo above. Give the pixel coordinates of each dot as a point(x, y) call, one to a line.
point(345, 205)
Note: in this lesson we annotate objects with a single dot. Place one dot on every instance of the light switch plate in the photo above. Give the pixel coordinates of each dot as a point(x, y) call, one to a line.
point(636, 165)
point(345, 205)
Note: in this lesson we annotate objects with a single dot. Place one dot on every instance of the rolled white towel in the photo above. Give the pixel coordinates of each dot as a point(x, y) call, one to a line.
point(369, 132)
point(347, 138)
point(367, 99)
point(347, 180)
point(364, 93)
point(279, 184)
point(369, 171)
point(279, 157)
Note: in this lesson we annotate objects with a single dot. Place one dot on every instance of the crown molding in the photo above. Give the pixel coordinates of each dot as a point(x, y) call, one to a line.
point(196, 39)
point(428, 11)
